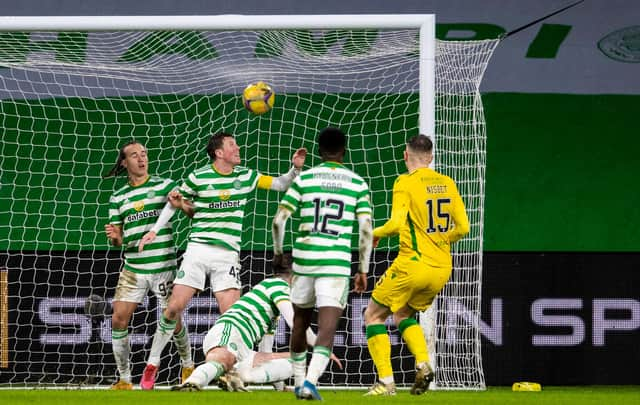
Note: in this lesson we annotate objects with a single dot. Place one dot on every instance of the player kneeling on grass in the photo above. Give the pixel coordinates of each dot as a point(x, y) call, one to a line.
point(263, 367)
point(232, 337)
point(260, 368)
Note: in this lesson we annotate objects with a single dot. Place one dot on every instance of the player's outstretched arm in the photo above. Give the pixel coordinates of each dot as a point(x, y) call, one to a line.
point(163, 219)
point(177, 201)
point(283, 182)
point(399, 209)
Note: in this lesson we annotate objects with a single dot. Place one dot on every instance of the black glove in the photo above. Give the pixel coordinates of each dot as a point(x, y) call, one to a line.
point(281, 263)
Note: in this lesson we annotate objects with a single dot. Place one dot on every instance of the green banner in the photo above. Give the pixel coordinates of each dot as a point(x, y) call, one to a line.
point(562, 172)
point(561, 169)
point(55, 152)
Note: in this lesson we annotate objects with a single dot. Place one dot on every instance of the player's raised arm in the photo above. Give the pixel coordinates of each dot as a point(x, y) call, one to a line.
point(286, 311)
point(298, 158)
point(282, 264)
point(266, 343)
point(282, 183)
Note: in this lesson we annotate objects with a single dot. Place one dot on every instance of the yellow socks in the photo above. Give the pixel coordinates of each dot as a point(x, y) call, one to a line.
point(380, 350)
point(414, 338)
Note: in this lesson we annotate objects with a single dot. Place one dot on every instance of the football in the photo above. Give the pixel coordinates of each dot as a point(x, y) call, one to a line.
point(258, 98)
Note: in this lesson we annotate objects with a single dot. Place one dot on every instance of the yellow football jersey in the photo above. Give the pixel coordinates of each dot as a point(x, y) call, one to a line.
point(428, 214)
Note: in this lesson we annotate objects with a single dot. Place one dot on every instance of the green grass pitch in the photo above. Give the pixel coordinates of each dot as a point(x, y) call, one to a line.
point(582, 395)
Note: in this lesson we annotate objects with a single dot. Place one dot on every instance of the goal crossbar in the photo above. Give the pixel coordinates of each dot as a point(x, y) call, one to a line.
point(424, 22)
point(218, 22)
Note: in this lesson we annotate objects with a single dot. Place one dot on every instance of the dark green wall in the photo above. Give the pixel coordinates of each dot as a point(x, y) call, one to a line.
point(562, 172)
point(55, 151)
point(561, 169)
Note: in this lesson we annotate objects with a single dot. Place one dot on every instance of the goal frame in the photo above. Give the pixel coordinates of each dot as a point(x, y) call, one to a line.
point(425, 23)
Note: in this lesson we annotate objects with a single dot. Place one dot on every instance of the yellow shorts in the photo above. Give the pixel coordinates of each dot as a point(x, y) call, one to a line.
point(409, 282)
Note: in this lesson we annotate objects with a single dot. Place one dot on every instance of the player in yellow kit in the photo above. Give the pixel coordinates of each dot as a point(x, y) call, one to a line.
point(428, 214)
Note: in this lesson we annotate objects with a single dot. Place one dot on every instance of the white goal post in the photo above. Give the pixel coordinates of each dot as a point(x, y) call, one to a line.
point(74, 89)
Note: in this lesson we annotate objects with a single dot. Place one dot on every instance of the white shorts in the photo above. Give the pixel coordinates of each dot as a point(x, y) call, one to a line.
point(245, 366)
point(133, 287)
point(220, 265)
point(224, 334)
point(319, 291)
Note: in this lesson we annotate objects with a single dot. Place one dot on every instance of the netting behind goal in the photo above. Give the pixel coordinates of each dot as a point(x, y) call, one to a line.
point(68, 101)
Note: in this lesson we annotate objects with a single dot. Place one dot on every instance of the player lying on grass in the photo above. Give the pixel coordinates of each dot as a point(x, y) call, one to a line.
point(232, 337)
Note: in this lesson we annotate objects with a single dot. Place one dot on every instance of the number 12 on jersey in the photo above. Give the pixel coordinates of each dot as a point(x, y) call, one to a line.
point(321, 222)
point(437, 210)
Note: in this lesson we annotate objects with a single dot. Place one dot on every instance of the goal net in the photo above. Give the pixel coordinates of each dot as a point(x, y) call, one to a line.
point(70, 99)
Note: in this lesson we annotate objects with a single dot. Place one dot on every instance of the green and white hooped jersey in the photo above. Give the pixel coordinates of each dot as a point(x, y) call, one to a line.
point(136, 209)
point(255, 312)
point(219, 204)
point(329, 198)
